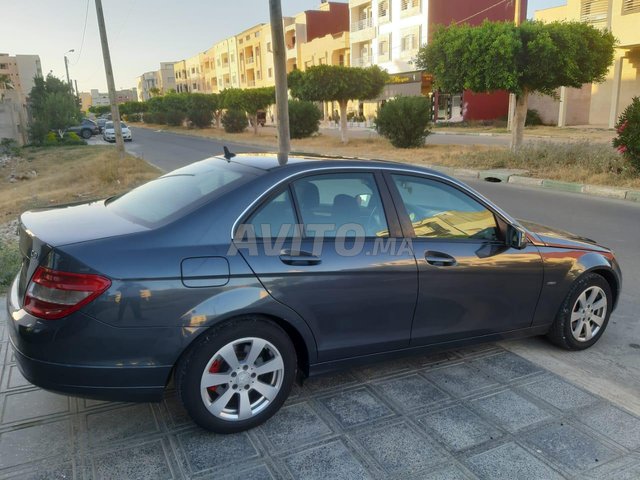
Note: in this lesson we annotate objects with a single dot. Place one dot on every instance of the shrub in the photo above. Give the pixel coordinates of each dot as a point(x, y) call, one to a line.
point(149, 117)
point(234, 121)
point(8, 146)
point(628, 127)
point(37, 132)
point(533, 118)
point(175, 118)
point(132, 117)
point(9, 263)
point(405, 121)
point(304, 118)
point(72, 138)
point(50, 139)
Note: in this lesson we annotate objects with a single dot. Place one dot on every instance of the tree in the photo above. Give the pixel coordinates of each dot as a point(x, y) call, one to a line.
point(256, 99)
point(52, 106)
point(534, 57)
point(155, 92)
point(405, 121)
point(200, 108)
point(217, 104)
point(328, 83)
point(100, 109)
point(175, 105)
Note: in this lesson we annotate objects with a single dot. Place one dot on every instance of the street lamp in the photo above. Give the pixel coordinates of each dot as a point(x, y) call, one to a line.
point(66, 66)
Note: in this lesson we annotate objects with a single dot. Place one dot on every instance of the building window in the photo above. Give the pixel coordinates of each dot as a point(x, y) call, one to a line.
point(218, 62)
point(384, 14)
point(630, 6)
point(248, 37)
point(269, 47)
point(410, 41)
point(594, 11)
point(242, 77)
point(257, 34)
point(409, 7)
point(240, 41)
point(4, 66)
point(270, 73)
point(258, 75)
point(233, 58)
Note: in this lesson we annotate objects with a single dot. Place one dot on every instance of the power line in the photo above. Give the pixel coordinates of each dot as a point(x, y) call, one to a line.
point(480, 12)
point(84, 31)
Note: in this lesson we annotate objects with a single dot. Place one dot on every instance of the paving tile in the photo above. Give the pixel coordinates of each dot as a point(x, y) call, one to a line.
point(506, 366)
point(33, 404)
point(120, 424)
point(295, 425)
point(15, 378)
point(45, 471)
point(618, 425)
point(624, 468)
point(568, 447)
point(461, 379)
point(330, 381)
point(177, 415)
point(261, 472)
point(400, 450)
point(203, 450)
point(35, 443)
point(330, 461)
point(355, 407)
point(511, 411)
point(560, 394)
point(411, 392)
point(382, 369)
point(146, 461)
point(510, 462)
point(458, 428)
point(451, 472)
point(434, 359)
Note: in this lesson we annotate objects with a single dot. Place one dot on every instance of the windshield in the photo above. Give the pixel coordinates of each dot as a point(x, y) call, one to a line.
point(110, 125)
point(171, 196)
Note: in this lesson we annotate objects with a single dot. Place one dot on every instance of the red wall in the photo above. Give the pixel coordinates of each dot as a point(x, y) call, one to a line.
point(321, 23)
point(480, 106)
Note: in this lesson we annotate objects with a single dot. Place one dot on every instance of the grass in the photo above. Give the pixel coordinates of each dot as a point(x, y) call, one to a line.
point(9, 263)
point(69, 174)
point(575, 160)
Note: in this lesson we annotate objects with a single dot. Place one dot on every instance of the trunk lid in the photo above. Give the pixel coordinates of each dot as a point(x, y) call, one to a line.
point(42, 231)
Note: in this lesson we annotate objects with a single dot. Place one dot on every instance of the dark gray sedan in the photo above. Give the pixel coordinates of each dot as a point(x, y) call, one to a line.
point(237, 276)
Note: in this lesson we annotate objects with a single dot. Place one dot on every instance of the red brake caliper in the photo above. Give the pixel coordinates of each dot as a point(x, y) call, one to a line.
point(215, 368)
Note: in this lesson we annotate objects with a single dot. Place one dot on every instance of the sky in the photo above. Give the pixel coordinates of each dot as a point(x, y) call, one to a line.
point(141, 33)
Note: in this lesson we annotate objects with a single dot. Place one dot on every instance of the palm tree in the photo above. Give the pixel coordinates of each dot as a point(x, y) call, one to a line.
point(5, 84)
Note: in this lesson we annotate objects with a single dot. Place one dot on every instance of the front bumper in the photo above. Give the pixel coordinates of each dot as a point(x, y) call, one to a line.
point(81, 356)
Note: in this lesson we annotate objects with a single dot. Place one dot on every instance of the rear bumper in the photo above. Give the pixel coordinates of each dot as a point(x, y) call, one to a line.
point(81, 356)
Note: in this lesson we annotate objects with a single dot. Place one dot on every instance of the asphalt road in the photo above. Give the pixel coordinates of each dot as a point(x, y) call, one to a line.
point(612, 367)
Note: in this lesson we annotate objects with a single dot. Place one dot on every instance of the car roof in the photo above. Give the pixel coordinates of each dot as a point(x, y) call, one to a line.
point(309, 162)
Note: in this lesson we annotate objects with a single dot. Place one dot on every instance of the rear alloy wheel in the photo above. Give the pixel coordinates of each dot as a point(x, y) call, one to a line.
point(237, 376)
point(85, 133)
point(584, 314)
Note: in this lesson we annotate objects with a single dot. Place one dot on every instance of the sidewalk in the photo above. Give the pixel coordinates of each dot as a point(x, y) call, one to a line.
point(480, 412)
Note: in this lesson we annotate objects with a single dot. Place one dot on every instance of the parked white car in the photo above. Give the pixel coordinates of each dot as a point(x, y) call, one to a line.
point(109, 132)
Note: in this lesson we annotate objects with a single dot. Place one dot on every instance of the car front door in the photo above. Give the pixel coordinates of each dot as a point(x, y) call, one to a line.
point(340, 268)
point(471, 283)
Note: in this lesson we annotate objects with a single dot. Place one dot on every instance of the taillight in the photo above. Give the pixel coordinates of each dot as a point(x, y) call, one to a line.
point(52, 294)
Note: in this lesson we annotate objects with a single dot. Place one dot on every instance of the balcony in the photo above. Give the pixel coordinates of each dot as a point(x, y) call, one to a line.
point(363, 61)
point(409, 8)
point(357, 3)
point(362, 30)
point(361, 24)
point(249, 60)
point(630, 6)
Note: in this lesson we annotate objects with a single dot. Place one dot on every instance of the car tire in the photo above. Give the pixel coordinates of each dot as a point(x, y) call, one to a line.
point(234, 354)
point(85, 133)
point(583, 318)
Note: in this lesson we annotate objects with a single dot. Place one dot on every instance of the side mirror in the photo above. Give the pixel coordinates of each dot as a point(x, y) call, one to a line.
point(516, 237)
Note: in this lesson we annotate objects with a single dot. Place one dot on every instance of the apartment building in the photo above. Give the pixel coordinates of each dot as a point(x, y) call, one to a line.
point(598, 104)
point(146, 84)
point(195, 74)
point(389, 33)
point(225, 53)
point(165, 77)
point(180, 75)
point(20, 71)
point(250, 54)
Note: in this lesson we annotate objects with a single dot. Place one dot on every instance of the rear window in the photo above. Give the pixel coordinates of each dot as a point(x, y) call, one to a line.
point(170, 196)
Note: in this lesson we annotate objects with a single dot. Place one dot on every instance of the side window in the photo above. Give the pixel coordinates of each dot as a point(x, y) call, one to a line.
point(276, 218)
point(341, 204)
point(437, 210)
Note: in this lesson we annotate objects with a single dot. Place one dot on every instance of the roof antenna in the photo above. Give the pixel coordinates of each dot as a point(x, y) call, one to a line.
point(227, 154)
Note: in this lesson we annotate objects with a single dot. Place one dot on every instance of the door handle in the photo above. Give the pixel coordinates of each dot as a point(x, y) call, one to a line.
point(290, 257)
point(439, 259)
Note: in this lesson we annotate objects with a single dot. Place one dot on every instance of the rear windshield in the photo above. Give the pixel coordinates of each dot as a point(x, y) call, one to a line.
point(171, 196)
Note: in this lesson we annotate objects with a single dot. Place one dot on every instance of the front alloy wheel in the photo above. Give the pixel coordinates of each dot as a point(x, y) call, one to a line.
point(237, 375)
point(584, 314)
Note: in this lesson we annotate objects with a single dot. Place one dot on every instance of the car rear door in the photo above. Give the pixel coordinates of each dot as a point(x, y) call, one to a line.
point(341, 266)
point(470, 282)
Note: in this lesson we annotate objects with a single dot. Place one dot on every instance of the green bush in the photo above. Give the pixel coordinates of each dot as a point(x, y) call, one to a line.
point(405, 121)
point(37, 132)
point(628, 127)
point(51, 139)
point(9, 263)
point(234, 121)
point(174, 118)
point(8, 146)
point(72, 138)
point(149, 117)
point(533, 118)
point(132, 117)
point(155, 117)
point(304, 118)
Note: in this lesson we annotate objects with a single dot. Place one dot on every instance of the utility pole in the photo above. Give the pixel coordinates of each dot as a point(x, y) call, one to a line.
point(282, 90)
point(512, 98)
point(66, 67)
point(111, 85)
